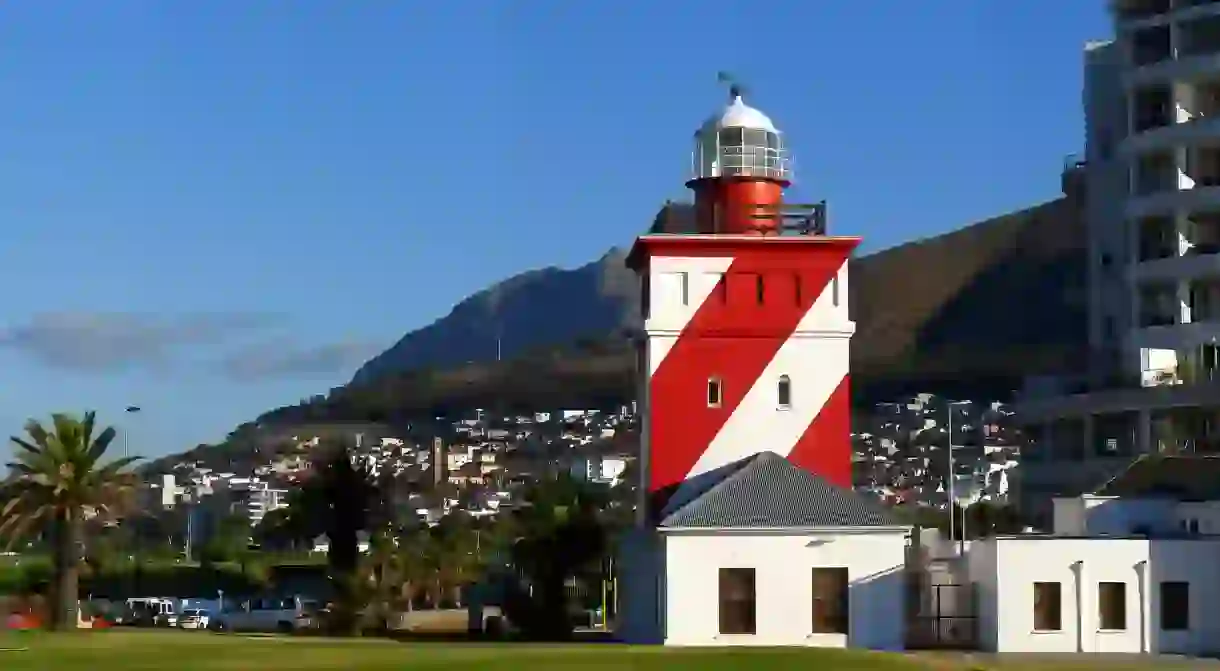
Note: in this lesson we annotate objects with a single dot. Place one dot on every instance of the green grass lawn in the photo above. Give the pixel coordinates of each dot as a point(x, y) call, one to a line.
point(132, 651)
point(143, 650)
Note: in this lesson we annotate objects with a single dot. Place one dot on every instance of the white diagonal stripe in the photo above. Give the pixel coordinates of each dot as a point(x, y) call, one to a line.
point(671, 311)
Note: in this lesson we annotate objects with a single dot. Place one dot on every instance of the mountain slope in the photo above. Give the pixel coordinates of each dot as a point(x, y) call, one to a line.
point(535, 309)
point(999, 299)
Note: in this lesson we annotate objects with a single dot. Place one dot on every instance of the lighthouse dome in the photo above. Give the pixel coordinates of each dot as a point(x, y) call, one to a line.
point(740, 115)
point(739, 142)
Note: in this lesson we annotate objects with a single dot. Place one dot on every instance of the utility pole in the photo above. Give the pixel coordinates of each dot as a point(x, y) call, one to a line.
point(949, 485)
point(131, 410)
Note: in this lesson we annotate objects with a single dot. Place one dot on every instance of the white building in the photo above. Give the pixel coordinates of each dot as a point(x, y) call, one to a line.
point(1131, 569)
point(1150, 183)
point(769, 554)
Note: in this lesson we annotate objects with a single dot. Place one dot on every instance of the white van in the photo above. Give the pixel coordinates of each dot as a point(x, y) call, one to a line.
point(267, 614)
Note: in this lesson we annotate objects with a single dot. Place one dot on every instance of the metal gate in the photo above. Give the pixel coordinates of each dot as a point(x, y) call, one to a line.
point(943, 616)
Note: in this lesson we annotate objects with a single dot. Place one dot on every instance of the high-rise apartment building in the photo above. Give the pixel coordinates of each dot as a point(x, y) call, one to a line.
point(1150, 185)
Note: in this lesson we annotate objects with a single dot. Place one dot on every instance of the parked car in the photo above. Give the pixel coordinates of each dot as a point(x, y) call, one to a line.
point(194, 618)
point(276, 614)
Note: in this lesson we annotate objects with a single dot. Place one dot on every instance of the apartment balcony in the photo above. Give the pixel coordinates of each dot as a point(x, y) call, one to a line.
point(1133, 15)
point(1163, 264)
point(1199, 130)
point(1151, 202)
point(1166, 335)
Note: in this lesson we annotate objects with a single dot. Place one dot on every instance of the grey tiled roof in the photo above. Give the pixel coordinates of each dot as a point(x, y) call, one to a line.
point(768, 491)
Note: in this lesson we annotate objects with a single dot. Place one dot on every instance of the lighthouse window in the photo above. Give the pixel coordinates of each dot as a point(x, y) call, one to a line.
point(730, 137)
point(834, 289)
point(645, 296)
point(783, 392)
point(714, 392)
point(758, 289)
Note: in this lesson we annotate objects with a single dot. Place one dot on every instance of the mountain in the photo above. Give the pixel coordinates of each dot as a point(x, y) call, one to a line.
point(997, 300)
point(536, 309)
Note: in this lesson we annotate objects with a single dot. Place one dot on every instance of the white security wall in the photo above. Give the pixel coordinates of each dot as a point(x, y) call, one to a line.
point(1013, 565)
point(783, 563)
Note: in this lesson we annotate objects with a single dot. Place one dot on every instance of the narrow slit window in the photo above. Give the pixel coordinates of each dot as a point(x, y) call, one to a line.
point(834, 290)
point(715, 392)
point(796, 279)
point(758, 289)
point(684, 279)
point(645, 297)
point(783, 392)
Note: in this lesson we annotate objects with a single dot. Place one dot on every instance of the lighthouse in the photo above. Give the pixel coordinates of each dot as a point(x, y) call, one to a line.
point(748, 531)
point(745, 337)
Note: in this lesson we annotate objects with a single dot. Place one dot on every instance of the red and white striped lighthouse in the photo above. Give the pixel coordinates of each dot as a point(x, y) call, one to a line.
point(746, 331)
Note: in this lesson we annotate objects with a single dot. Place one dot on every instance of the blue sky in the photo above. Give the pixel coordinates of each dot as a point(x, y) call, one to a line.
point(211, 208)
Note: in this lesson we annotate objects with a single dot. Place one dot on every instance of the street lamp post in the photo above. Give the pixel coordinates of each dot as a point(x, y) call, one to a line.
point(131, 410)
point(951, 477)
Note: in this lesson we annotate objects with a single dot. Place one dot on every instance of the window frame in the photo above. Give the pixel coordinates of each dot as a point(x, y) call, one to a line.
point(838, 620)
point(715, 392)
point(783, 393)
point(1181, 621)
point(1048, 620)
point(1114, 595)
point(730, 623)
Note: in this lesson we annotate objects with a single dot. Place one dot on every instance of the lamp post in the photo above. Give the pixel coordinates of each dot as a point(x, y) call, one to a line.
point(951, 475)
point(131, 410)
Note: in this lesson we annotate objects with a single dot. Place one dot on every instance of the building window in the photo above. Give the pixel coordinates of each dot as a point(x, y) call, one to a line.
point(737, 605)
point(1175, 606)
point(830, 600)
point(758, 289)
point(783, 392)
point(834, 290)
point(684, 279)
point(645, 296)
point(1048, 606)
point(796, 279)
point(1112, 606)
point(715, 392)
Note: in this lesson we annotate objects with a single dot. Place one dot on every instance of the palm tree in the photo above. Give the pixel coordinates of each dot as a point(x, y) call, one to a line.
point(58, 479)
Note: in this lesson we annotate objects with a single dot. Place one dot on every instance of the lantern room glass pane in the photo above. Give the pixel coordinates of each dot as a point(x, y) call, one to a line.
point(730, 137)
point(754, 138)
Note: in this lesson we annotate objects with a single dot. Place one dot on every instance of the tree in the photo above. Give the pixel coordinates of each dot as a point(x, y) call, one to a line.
point(560, 534)
point(344, 501)
point(58, 479)
point(229, 541)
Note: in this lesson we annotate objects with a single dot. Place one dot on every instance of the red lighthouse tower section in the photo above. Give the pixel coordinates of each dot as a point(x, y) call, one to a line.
point(746, 332)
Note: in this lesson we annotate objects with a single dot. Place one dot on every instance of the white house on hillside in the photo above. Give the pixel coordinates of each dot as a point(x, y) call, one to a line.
point(766, 553)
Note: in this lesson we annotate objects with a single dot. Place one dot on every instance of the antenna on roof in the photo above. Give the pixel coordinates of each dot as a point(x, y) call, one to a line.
point(736, 89)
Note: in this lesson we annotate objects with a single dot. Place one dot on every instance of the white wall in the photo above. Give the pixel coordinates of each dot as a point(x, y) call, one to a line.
point(1089, 515)
point(784, 563)
point(1007, 569)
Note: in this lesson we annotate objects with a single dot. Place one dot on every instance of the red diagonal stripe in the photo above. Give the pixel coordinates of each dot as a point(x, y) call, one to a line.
point(731, 337)
point(825, 447)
